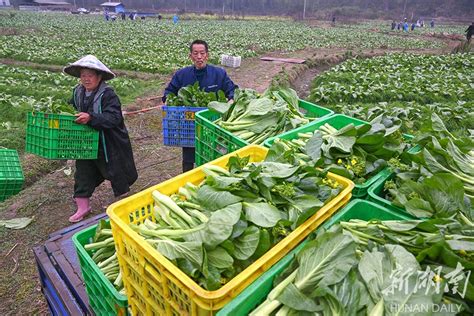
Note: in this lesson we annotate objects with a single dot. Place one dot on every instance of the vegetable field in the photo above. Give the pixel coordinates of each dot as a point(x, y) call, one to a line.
point(407, 86)
point(160, 46)
point(389, 119)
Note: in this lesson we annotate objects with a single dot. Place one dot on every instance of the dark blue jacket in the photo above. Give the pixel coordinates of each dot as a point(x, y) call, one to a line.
point(215, 79)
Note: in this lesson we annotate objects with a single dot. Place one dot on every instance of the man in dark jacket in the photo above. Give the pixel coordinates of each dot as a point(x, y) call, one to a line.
point(210, 78)
point(469, 31)
point(100, 108)
point(394, 25)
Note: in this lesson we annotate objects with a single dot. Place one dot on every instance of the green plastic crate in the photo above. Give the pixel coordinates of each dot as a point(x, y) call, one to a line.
point(103, 297)
point(57, 136)
point(212, 141)
point(257, 292)
point(377, 190)
point(337, 121)
point(11, 174)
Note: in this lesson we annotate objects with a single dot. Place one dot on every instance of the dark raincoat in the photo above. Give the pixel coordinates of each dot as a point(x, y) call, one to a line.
point(115, 160)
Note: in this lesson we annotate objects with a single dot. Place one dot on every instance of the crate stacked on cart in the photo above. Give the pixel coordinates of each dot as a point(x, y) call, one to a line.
point(60, 273)
point(58, 136)
point(155, 285)
point(104, 298)
point(213, 141)
point(11, 173)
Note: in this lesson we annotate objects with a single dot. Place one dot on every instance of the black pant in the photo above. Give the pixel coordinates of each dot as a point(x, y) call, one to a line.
point(188, 158)
point(89, 174)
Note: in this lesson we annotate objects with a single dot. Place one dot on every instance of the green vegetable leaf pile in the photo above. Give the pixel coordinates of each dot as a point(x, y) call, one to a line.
point(214, 230)
point(379, 268)
point(54, 108)
point(255, 118)
point(193, 95)
point(439, 179)
point(354, 152)
point(102, 251)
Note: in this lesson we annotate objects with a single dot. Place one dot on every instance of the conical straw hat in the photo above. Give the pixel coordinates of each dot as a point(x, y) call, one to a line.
point(91, 62)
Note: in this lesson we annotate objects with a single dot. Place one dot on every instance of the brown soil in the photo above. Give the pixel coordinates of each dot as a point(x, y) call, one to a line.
point(15, 31)
point(49, 199)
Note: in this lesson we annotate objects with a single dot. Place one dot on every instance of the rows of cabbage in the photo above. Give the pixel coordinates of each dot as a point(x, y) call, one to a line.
point(24, 89)
point(160, 46)
point(407, 86)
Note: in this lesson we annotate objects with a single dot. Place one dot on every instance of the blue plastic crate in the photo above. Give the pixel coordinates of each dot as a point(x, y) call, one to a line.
point(178, 125)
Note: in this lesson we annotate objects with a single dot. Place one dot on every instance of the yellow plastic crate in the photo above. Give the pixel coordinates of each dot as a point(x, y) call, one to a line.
point(155, 286)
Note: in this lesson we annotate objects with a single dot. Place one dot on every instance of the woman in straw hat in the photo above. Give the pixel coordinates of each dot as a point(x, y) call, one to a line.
point(99, 107)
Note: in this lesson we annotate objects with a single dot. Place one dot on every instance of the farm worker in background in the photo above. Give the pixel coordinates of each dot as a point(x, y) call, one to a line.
point(405, 26)
point(175, 19)
point(394, 25)
point(469, 31)
point(399, 26)
point(106, 14)
point(99, 107)
point(210, 78)
point(413, 25)
point(123, 16)
point(432, 23)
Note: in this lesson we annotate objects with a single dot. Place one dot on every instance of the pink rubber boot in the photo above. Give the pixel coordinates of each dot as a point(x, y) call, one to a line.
point(83, 209)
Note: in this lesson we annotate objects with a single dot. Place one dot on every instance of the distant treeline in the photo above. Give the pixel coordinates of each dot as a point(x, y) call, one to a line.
point(314, 8)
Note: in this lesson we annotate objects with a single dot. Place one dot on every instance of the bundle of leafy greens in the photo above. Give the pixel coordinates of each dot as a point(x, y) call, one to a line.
point(354, 152)
point(214, 230)
point(193, 95)
point(52, 107)
point(439, 178)
point(380, 268)
point(102, 252)
point(255, 118)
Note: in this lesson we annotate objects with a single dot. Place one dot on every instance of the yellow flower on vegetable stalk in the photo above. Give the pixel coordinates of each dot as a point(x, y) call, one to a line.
point(353, 161)
point(331, 183)
point(339, 161)
point(437, 278)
